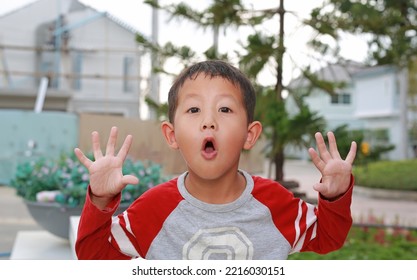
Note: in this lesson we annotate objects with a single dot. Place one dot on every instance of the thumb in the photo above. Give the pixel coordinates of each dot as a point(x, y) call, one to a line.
point(129, 180)
point(320, 187)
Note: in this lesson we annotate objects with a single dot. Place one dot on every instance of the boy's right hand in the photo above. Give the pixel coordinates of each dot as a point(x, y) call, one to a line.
point(106, 177)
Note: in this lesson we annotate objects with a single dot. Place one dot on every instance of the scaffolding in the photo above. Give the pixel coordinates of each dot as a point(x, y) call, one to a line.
point(65, 60)
point(52, 50)
point(8, 73)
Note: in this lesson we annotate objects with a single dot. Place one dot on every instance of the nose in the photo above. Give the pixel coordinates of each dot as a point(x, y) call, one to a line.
point(208, 123)
point(211, 126)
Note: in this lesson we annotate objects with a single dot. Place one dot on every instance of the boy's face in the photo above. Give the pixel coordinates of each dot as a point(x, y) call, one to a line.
point(210, 125)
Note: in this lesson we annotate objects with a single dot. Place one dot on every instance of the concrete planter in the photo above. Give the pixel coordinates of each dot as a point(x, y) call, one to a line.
point(55, 217)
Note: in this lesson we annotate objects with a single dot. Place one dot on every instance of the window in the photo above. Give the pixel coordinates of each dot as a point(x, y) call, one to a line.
point(76, 70)
point(127, 74)
point(341, 98)
point(345, 98)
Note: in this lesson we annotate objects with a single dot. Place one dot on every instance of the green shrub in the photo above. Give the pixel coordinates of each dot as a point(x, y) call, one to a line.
point(364, 243)
point(395, 175)
point(69, 179)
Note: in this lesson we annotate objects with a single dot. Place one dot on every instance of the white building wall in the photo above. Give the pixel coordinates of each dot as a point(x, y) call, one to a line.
point(375, 105)
point(379, 106)
point(18, 28)
point(376, 95)
point(93, 33)
point(335, 114)
point(99, 36)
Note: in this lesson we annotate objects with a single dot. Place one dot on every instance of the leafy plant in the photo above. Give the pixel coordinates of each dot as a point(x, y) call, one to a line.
point(68, 179)
point(371, 243)
point(369, 148)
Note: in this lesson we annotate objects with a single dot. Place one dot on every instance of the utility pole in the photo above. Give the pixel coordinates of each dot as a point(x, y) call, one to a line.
point(154, 94)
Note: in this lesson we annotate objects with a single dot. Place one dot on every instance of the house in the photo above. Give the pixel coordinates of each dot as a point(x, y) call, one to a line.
point(89, 59)
point(385, 106)
point(374, 99)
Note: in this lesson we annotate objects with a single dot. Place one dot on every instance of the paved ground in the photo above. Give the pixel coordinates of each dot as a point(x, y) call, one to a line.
point(15, 217)
point(364, 208)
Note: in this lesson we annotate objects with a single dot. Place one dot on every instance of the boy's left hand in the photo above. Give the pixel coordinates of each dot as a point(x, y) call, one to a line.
point(336, 172)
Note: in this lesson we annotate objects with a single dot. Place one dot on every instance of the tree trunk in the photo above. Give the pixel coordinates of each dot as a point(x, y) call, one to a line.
point(292, 185)
point(278, 156)
point(281, 51)
point(279, 165)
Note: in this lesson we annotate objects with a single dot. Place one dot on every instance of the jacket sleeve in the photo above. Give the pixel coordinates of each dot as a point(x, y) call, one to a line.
point(333, 222)
point(94, 232)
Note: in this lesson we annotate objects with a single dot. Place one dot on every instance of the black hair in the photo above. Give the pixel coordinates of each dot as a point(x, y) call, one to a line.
point(214, 68)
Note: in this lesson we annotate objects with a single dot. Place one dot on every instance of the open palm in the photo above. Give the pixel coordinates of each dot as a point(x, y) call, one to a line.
point(336, 172)
point(106, 177)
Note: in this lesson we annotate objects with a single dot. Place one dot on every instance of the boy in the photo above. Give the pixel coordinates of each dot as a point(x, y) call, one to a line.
point(214, 210)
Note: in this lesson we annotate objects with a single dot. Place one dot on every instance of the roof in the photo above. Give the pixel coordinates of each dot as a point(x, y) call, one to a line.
point(374, 71)
point(122, 23)
point(339, 72)
point(13, 11)
point(74, 6)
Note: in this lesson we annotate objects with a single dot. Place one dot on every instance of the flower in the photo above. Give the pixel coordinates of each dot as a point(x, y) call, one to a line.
point(65, 180)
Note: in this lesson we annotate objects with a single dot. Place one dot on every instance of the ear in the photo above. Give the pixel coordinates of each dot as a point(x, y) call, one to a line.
point(169, 134)
point(254, 131)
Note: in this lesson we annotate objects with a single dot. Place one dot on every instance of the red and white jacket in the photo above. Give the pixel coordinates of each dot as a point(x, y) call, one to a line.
point(166, 222)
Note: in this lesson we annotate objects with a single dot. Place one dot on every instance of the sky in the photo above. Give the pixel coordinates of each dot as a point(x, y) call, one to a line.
point(138, 15)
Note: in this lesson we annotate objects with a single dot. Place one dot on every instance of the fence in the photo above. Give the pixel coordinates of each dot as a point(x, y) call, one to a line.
point(25, 134)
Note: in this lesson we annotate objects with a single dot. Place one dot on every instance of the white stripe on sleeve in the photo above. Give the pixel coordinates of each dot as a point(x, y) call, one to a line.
point(121, 238)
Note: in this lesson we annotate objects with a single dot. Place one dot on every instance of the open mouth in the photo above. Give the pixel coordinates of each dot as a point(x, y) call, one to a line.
point(209, 148)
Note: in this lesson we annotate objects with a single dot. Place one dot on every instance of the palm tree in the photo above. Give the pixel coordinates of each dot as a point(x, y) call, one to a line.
point(282, 129)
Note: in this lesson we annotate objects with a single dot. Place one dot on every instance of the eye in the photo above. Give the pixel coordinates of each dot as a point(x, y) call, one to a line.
point(193, 110)
point(225, 110)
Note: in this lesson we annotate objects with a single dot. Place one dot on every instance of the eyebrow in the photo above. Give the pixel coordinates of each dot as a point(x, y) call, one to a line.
point(191, 95)
point(198, 96)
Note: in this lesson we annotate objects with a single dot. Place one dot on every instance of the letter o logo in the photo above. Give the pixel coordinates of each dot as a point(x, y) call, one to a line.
point(218, 243)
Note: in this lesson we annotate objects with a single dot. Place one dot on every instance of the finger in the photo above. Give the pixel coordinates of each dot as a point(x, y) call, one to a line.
point(95, 139)
point(333, 145)
point(82, 158)
point(352, 153)
point(321, 146)
point(129, 180)
point(111, 143)
point(124, 150)
point(316, 159)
